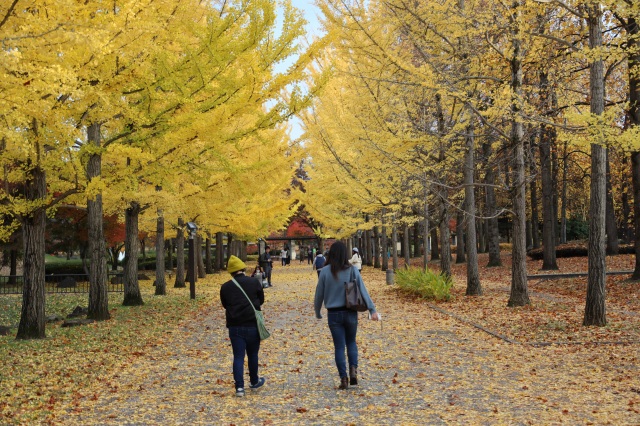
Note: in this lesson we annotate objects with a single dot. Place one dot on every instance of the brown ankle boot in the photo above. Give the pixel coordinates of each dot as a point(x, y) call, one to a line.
point(353, 375)
point(344, 383)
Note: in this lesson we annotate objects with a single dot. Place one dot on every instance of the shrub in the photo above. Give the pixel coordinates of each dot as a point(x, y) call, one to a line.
point(427, 284)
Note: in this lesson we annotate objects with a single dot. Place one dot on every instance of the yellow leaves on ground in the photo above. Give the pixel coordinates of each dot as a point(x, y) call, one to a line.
point(418, 366)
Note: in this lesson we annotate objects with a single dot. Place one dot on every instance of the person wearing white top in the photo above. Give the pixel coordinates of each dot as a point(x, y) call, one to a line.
point(356, 260)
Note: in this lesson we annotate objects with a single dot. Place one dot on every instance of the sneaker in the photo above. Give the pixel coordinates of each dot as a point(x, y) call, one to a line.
point(261, 381)
point(240, 392)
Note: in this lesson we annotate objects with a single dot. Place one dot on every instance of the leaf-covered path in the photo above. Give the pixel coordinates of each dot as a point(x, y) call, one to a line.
point(418, 366)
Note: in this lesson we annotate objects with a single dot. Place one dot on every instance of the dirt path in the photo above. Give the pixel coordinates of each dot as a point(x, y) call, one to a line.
point(418, 367)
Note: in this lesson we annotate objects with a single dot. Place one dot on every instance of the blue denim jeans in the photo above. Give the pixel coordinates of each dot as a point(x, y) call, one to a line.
point(244, 340)
point(344, 326)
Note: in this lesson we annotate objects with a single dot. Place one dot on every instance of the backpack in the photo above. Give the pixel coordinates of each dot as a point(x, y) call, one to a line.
point(319, 262)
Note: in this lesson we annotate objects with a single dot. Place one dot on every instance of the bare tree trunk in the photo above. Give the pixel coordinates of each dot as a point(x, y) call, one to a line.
point(32, 315)
point(635, 180)
point(132, 296)
point(445, 259)
point(161, 283)
point(209, 264)
point(405, 245)
point(394, 244)
point(473, 277)
point(595, 310)
point(548, 216)
point(633, 54)
point(98, 300)
point(563, 210)
point(435, 249)
point(519, 295)
point(425, 232)
point(180, 280)
point(385, 245)
point(626, 207)
point(493, 237)
point(202, 273)
point(376, 248)
point(535, 217)
point(613, 248)
point(219, 251)
point(460, 243)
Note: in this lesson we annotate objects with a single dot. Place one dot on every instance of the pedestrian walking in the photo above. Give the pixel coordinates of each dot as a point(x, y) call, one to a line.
point(241, 322)
point(283, 256)
point(266, 264)
point(356, 259)
point(343, 323)
point(319, 262)
point(310, 256)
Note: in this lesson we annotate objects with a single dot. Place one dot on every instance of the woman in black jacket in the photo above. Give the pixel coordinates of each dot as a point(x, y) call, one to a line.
point(241, 322)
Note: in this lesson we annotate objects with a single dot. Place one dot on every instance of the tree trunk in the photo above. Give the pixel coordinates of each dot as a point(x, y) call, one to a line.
point(132, 296)
point(219, 251)
point(376, 248)
point(633, 54)
point(626, 207)
point(613, 248)
point(161, 283)
point(595, 310)
point(563, 210)
point(406, 247)
point(460, 247)
point(535, 218)
point(445, 259)
point(180, 281)
point(635, 180)
point(169, 245)
point(435, 246)
point(202, 273)
point(385, 245)
point(425, 232)
point(230, 242)
point(369, 247)
point(473, 277)
point(394, 246)
point(98, 300)
point(519, 295)
point(208, 262)
point(32, 316)
point(416, 239)
point(493, 237)
point(548, 217)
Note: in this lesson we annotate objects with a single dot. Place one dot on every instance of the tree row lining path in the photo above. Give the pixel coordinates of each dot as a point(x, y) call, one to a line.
point(418, 366)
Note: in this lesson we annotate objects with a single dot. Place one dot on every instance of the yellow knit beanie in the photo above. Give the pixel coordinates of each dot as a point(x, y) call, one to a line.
point(235, 264)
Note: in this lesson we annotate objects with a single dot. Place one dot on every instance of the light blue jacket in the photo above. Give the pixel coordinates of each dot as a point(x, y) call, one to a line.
point(330, 290)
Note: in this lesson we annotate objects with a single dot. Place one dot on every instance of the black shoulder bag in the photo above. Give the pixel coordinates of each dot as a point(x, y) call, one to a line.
point(354, 299)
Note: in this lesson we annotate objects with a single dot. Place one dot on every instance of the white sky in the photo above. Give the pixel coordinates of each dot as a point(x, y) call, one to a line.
point(311, 13)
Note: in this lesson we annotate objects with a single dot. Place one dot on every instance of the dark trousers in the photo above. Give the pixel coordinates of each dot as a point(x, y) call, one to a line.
point(244, 340)
point(266, 270)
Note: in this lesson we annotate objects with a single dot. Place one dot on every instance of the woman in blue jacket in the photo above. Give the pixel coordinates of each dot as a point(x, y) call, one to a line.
point(343, 323)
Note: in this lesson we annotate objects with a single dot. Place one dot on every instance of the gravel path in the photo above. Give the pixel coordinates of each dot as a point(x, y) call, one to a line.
point(418, 366)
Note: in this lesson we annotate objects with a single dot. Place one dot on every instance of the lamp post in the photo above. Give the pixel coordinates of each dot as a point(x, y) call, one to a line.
point(192, 227)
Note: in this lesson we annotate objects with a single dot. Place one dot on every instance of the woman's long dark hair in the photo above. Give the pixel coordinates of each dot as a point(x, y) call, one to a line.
point(337, 258)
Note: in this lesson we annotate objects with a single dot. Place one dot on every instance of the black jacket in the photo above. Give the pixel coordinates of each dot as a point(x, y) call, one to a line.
point(238, 310)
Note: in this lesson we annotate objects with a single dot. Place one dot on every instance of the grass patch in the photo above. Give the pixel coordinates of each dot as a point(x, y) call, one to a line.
point(38, 376)
point(427, 284)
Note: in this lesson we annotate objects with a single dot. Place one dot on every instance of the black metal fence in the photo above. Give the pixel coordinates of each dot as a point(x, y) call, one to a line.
point(61, 283)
